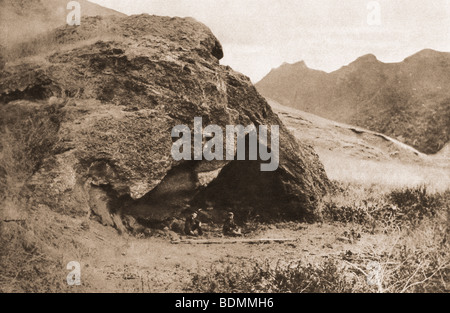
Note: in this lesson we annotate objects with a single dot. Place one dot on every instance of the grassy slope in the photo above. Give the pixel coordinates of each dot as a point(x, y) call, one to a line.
point(352, 154)
point(23, 20)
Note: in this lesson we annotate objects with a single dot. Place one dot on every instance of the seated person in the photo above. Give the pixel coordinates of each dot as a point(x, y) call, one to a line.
point(193, 224)
point(230, 228)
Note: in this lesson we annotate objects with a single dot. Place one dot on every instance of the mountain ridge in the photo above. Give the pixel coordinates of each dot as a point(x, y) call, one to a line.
point(408, 100)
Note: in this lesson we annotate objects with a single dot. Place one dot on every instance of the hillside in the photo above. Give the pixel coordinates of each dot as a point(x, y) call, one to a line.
point(354, 154)
point(23, 20)
point(444, 153)
point(409, 101)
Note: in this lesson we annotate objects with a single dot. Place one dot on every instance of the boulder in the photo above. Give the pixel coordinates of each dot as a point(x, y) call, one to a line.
point(120, 97)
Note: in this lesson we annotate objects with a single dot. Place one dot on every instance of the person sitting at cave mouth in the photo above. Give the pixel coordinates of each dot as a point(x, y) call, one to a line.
point(230, 228)
point(193, 227)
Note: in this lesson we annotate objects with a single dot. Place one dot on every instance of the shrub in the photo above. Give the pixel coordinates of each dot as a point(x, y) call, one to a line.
point(415, 204)
point(327, 277)
point(399, 208)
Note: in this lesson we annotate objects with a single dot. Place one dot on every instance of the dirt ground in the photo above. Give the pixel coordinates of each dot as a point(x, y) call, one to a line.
point(158, 265)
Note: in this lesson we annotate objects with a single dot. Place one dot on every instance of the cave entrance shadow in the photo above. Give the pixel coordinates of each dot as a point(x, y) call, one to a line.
point(242, 187)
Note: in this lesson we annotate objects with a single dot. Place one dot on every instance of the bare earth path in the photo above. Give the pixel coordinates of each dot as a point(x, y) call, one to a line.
point(157, 265)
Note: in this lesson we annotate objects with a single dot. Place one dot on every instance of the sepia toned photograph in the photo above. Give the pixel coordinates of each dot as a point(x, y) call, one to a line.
point(234, 147)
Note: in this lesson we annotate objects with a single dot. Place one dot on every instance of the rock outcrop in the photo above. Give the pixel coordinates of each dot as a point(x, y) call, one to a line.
point(119, 99)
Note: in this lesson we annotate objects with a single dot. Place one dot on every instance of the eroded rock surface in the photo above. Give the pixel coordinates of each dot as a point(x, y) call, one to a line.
point(121, 96)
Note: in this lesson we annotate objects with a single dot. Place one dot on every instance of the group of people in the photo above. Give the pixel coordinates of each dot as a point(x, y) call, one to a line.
point(193, 227)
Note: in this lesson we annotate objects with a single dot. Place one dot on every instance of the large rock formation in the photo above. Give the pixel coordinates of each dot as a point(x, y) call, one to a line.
point(119, 99)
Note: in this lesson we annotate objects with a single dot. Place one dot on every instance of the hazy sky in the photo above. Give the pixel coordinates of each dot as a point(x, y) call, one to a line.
point(258, 35)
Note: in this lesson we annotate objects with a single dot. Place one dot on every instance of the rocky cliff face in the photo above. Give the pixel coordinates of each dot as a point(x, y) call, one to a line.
point(119, 100)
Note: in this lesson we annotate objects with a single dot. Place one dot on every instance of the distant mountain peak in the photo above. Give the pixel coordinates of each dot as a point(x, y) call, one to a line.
point(300, 64)
point(368, 58)
point(425, 54)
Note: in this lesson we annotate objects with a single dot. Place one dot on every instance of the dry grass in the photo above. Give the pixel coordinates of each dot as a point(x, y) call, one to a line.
point(390, 174)
point(418, 259)
point(406, 271)
point(25, 267)
point(377, 207)
point(27, 138)
point(59, 39)
point(34, 253)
